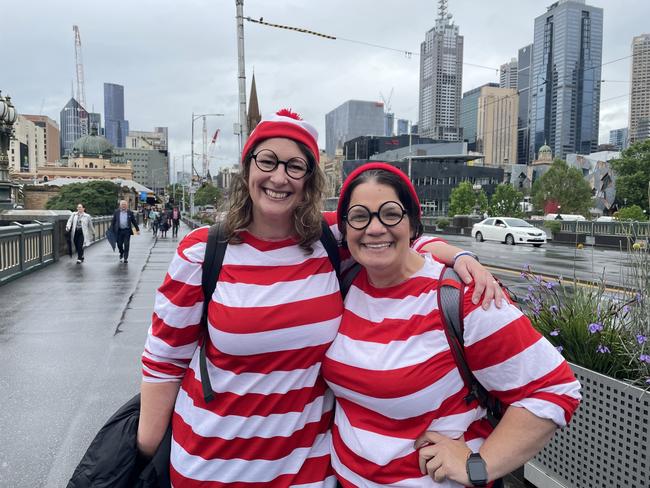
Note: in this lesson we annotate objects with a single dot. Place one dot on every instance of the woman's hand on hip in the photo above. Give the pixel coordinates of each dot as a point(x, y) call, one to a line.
point(443, 458)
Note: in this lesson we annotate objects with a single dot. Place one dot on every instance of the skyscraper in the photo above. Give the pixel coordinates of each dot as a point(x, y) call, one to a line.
point(619, 138)
point(565, 95)
point(441, 79)
point(74, 124)
point(496, 125)
point(469, 114)
point(524, 83)
point(352, 119)
point(115, 126)
point(508, 74)
point(640, 89)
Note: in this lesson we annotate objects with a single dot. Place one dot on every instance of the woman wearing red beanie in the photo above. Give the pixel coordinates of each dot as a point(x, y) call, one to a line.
point(275, 310)
point(404, 416)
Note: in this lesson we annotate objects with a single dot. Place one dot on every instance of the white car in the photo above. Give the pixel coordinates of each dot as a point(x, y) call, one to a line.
point(509, 230)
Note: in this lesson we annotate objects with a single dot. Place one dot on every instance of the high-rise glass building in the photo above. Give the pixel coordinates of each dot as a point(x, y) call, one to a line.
point(352, 119)
point(441, 79)
point(116, 128)
point(565, 94)
point(469, 114)
point(619, 138)
point(508, 74)
point(74, 122)
point(524, 84)
point(640, 89)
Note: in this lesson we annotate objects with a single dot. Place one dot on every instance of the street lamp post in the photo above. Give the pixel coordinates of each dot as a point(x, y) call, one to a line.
point(8, 117)
point(192, 189)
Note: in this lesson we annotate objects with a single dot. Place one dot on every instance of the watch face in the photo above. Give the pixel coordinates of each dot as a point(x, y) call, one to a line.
point(476, 470)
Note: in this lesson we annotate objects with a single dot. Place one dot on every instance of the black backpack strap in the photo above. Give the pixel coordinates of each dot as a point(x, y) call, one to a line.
point(215, 250)
point(348, 278)
point(331, 246)
point(450, 303)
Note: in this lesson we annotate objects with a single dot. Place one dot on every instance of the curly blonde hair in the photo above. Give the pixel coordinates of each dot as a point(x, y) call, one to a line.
point(306, 216)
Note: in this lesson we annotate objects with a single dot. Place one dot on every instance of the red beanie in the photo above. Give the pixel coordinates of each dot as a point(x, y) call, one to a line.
point(367, 167)
point(287, 124)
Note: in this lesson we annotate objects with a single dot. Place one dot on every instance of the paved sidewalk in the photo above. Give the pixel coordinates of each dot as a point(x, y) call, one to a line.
point(71, 336)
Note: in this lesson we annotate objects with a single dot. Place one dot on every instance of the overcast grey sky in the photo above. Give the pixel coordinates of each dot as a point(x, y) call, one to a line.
point(176, 57)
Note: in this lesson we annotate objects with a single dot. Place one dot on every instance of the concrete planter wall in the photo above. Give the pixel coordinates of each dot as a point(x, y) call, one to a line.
point(607, 443)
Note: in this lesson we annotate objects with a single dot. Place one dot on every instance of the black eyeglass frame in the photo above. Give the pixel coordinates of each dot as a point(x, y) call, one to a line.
point(285, 163)
point(375, 214)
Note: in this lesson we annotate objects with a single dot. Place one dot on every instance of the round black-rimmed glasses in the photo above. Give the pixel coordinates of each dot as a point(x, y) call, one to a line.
point(266, 160)
point(389, 214)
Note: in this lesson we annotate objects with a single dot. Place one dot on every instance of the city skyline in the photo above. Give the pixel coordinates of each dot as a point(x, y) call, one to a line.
point(191, 65)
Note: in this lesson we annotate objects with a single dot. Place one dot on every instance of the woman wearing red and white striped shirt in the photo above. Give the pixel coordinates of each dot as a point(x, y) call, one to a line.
point(397, 385)
point(274, 312)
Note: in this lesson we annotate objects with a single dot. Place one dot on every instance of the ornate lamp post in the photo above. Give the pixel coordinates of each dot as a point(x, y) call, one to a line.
point(8, 117)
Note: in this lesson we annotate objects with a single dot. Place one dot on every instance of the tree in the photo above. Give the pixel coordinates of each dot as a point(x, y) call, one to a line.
point(464, 199)
point(565, 186)
point(506, 202)
point(633, 175)
point(99, 197)
point(633, 212)
point(175, 193)
point(207, 194)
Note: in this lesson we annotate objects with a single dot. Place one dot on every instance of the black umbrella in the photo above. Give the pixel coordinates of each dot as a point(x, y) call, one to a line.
point(111, 238)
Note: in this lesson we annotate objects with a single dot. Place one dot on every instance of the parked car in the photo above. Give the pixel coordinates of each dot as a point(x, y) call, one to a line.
point(509, 230)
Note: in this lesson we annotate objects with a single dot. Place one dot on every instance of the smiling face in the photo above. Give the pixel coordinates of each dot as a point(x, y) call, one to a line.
point(382, 250)
point(80, 208)
point(274, 194)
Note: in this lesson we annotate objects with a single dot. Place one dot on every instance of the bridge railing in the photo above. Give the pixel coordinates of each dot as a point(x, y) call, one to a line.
point(24, 248)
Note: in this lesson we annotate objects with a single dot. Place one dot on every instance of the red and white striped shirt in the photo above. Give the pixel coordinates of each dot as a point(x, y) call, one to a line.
point(273, 315)
point(394, 377)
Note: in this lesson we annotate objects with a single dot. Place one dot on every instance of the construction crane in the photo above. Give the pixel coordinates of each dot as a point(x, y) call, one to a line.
point(388, 113)
point(81, 88)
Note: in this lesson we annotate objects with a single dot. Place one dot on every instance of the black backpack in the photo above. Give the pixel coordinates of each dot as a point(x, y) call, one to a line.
point(450, 300)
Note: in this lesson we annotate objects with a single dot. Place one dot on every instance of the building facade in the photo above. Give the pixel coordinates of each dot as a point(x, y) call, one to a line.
point(619, 139)
point(365, 147)
point(441, 80)
point(508, 74)
point(640, 89)
point(27, 148)
point(74, 123)
point(139, 139)
point(565, 96)
point(469, 114)
point(150, 166)
point(52, 142)
point(524, 86)
point(352, 119)
point(402, 127)
point(116, 128)
point(496, 126)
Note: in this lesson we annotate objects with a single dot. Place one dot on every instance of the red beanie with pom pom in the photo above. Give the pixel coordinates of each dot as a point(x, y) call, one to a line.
point(287, 124)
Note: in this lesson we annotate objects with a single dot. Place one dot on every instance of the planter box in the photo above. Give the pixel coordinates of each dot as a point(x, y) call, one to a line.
point(607, 443)
point(568, 238)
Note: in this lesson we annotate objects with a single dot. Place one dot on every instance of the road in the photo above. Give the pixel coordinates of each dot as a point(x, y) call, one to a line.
point(588, 264)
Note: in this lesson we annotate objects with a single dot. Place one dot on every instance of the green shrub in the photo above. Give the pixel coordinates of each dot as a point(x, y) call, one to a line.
point(554, 226)
point(442, 223)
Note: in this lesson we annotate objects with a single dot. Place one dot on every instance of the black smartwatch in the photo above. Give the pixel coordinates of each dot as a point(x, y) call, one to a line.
point(476, 470)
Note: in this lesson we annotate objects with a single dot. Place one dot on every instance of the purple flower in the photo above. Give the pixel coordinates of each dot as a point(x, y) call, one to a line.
point(641, 339)
point(648, 381)
point(639, 298)
point(538, 279)
point(554, 309)
point(603, 349)
point(644, 358)
point(559, 349)
point(551, 284)
point(555, 332)
point(626, 308)
point(595, 327)
point(531, 289)
point(523, 275)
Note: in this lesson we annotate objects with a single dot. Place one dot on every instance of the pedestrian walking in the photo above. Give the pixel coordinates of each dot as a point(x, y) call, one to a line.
point(275, 310)
point(82, 232)
point(145, 216)
point(164, 223)
point(154, 218)
point(124, 222)
point(176, 221)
